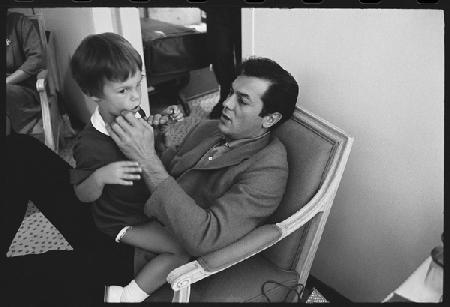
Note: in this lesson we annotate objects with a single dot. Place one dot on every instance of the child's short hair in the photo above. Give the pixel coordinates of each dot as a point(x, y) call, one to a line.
point(103, 56)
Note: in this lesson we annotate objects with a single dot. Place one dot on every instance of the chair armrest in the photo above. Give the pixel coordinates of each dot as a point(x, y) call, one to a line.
point(256, 241)
point(251, 244)
point(41, 80)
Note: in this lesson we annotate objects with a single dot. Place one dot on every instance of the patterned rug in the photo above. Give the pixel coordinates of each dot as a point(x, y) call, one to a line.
point(37, 235)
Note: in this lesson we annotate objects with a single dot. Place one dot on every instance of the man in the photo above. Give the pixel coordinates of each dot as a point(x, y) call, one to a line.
point(228, 175)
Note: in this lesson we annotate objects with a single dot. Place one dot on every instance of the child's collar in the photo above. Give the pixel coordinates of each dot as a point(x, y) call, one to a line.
point(98, 122)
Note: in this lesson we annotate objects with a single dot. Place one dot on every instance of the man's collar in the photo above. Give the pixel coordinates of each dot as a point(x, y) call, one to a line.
point(234, 143)
point(98, 122)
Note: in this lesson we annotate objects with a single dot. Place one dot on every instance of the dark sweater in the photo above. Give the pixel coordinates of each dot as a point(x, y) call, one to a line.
point(119, 205)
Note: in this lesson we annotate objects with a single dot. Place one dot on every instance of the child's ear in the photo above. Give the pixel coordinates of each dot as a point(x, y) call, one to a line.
point(271, 119)
point(95, 98)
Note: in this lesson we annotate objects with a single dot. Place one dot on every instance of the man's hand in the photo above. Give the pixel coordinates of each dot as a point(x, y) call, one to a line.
point(120, 172)
point(135, 139)
point(133, 136)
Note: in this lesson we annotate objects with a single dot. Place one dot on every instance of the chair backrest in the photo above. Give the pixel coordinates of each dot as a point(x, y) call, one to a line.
point(317, 153)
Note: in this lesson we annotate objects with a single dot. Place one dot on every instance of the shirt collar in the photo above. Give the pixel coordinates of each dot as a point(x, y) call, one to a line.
point(235, 143)
point(98, 122)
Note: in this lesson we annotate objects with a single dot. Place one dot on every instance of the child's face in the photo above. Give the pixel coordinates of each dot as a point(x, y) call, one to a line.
point(119, 96)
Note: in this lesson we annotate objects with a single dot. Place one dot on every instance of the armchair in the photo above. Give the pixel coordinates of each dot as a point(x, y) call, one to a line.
point(283, 249)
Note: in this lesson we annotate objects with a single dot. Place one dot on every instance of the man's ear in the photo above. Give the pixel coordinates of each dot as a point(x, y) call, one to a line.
point(271, 119)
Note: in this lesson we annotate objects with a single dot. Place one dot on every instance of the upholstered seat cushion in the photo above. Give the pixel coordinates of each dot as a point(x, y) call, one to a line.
point(239, 283)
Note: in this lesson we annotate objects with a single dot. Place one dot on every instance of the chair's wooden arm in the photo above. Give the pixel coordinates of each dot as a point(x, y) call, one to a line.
point(41, 80)
point(41, 84)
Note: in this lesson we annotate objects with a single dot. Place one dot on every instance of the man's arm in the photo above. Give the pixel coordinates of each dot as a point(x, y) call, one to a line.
point(32, 49)
point(250, 200)
point(135, 138)
point(17, 77)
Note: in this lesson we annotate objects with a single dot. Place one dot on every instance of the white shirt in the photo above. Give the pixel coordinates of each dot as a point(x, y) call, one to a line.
point(98, 122)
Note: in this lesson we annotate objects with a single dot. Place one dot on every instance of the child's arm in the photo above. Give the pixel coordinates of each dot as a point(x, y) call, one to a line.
point(121, 172)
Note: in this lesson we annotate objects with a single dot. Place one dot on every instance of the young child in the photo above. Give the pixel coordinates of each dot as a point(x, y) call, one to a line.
point(109, 71)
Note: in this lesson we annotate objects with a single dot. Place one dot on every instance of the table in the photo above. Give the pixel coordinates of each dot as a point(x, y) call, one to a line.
point(424, 285)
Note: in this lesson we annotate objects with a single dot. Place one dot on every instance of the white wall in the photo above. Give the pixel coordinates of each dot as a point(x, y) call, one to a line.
point(70, 26)
point(379, 75)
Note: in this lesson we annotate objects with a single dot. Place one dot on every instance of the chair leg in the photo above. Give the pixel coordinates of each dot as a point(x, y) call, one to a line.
point(182, 295)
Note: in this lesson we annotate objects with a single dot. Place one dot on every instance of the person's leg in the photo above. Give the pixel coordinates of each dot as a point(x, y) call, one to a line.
point(22, 105)
point(222, 40)
point(32, 171)
point(170, 255)
point(50, 278)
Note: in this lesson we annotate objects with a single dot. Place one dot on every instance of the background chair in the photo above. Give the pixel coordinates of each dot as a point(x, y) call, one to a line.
point(47, 86)
point(279, 254)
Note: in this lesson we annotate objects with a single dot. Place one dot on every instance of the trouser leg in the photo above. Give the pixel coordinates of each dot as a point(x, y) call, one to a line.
point(32, 171)
point(222, 46)
point(22, 105)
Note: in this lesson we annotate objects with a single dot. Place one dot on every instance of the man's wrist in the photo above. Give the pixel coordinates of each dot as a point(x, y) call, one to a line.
point(154, 173)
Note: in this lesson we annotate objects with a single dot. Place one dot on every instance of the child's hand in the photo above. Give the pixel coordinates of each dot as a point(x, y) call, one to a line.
point(171, 113)
point(121, 172)
point(174, 113)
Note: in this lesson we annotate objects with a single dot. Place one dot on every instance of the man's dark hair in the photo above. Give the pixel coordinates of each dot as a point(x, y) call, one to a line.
point(100, 57)
point(281, 95)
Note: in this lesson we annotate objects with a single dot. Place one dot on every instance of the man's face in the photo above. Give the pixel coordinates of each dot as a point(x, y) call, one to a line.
point(240, 116)
point(120, 96)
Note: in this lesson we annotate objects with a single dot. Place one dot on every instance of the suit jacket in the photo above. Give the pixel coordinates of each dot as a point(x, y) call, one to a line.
point(210, 206)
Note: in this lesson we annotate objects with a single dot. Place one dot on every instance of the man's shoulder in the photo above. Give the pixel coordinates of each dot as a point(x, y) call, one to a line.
point(274, 153)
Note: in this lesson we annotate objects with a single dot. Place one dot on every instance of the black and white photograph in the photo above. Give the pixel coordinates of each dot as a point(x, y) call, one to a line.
point(211, 152)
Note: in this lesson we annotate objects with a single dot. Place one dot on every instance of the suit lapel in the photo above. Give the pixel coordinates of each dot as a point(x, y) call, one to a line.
point(238, 154)
point(188, 156)
point(183, 161)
